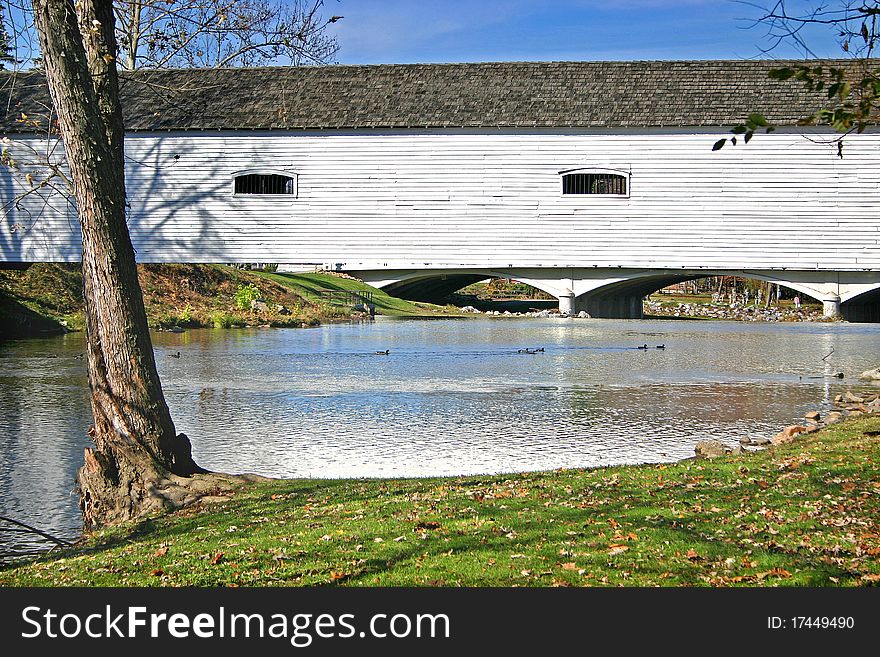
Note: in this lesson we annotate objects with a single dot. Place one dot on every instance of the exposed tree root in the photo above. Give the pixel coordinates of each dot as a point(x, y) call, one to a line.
point(123, 485)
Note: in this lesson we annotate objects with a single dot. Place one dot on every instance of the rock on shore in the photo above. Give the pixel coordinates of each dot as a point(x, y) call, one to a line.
point(845, 405)
point(870, 375)
point(736, 311)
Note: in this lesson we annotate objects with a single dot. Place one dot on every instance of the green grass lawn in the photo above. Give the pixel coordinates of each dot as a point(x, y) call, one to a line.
point(803, 514)
point(308, 284)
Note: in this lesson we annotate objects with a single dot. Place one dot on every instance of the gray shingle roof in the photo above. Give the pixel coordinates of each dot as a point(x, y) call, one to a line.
point(499, 95)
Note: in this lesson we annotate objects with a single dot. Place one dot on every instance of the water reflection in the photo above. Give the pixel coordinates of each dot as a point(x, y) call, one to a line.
point(451, 397)
point(44, 414)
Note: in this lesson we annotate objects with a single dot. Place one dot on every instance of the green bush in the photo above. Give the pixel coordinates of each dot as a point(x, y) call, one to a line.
point(222, 320)
point(245, 295)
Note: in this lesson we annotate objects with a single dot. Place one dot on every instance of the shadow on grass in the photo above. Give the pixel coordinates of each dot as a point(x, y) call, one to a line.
point(314, 287)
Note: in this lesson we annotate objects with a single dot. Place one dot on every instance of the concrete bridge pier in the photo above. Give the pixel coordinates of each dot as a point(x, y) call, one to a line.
point(567, 302)
point(830, 305)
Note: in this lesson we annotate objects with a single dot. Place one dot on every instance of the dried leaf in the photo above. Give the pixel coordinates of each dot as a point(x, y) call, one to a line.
point(161, 552)
point(775, 572)
point(569, 566)
point(692, 555)
point(422, 526)
point(157, 573)
point(217, 558)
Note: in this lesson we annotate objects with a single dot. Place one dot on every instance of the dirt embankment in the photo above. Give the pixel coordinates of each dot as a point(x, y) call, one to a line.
point(47, 298)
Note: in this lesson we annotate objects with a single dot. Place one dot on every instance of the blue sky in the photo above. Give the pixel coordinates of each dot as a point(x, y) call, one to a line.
point(406, 31)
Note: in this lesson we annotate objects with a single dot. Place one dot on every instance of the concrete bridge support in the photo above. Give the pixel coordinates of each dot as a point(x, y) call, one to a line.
point(831, 305)
point(567, 302)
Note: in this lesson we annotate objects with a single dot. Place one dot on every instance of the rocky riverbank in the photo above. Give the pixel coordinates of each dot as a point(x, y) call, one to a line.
point(847, 405)
point(508, 313)
point(737, 311)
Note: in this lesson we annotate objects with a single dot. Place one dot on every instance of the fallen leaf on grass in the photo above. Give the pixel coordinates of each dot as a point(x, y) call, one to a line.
point(337, 576)
point(422, 526)
point(570, 566)
point(871, 578)
point(617, 549)
point(161, 552)
point(157, 573)
point(692, 555)
point(217, 558)
point(776, 572)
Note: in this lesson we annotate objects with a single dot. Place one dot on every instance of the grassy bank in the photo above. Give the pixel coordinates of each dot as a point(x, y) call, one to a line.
point(309, 285)
point(47, 298)
point(803, 514)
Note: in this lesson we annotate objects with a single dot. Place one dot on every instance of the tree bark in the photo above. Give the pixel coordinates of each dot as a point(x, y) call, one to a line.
point(139, 464)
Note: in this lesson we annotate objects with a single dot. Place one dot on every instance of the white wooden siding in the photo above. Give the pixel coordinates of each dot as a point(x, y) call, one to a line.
point(419, 199)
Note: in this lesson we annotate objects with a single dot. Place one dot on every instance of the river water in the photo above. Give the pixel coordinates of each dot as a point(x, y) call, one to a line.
point(451, 397)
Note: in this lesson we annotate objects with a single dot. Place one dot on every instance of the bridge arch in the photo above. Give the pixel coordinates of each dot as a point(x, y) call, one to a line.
point(862, 307)
point(433, 286)
point(622, 299)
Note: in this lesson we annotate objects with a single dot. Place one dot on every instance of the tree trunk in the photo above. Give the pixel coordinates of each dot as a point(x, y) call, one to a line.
point(139, 465)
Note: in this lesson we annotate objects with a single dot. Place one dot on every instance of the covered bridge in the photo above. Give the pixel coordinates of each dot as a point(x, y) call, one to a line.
point(594, 181)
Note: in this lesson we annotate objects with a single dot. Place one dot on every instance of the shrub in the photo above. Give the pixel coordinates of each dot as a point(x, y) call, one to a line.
point(222, 320)
point(245, 294)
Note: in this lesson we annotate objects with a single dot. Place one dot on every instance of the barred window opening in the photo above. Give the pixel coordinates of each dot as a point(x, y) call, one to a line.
point(265, 183)
point(594, 183)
